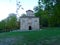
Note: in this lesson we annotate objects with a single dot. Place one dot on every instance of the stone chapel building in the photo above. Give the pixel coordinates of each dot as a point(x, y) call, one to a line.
point(29, 21)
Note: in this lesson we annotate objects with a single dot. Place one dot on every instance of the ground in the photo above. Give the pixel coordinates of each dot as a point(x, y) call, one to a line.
point(48, 36)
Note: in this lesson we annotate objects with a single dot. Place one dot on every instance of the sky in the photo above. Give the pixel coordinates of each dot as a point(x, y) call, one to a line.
point(9, 6)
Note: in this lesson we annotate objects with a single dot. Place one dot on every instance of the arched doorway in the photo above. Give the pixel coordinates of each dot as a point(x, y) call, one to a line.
point(30, 28)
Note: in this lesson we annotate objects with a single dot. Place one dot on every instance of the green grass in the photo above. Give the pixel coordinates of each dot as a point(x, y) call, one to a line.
point(36, 36)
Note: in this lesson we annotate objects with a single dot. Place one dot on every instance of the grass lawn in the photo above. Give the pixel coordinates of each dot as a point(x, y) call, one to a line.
point(48, 36)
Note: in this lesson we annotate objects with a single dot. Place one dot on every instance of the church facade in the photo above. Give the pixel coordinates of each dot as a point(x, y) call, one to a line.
point(29, 21)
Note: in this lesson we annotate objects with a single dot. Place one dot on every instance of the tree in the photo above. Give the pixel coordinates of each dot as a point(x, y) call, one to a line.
point(11, 21)
point(57, 12)
point(49, 12)
point(2, 25)
point(39, 11)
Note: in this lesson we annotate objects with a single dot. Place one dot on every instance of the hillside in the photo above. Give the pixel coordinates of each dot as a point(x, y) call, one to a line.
point(49, 36)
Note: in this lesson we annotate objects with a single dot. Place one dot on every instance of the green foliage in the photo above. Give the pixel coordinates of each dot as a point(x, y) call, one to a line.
point(51, 14)
point(9, 23)
point(12, 20)
point(2, 26)
point(56, 15)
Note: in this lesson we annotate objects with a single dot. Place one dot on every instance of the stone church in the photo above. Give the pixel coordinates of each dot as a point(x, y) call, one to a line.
point(29, 21)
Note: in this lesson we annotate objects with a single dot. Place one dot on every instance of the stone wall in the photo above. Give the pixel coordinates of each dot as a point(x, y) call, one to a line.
point(26, 22)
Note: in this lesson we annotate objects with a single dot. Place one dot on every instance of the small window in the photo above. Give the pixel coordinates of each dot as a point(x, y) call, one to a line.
point(23, 20)
point(35, 20)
